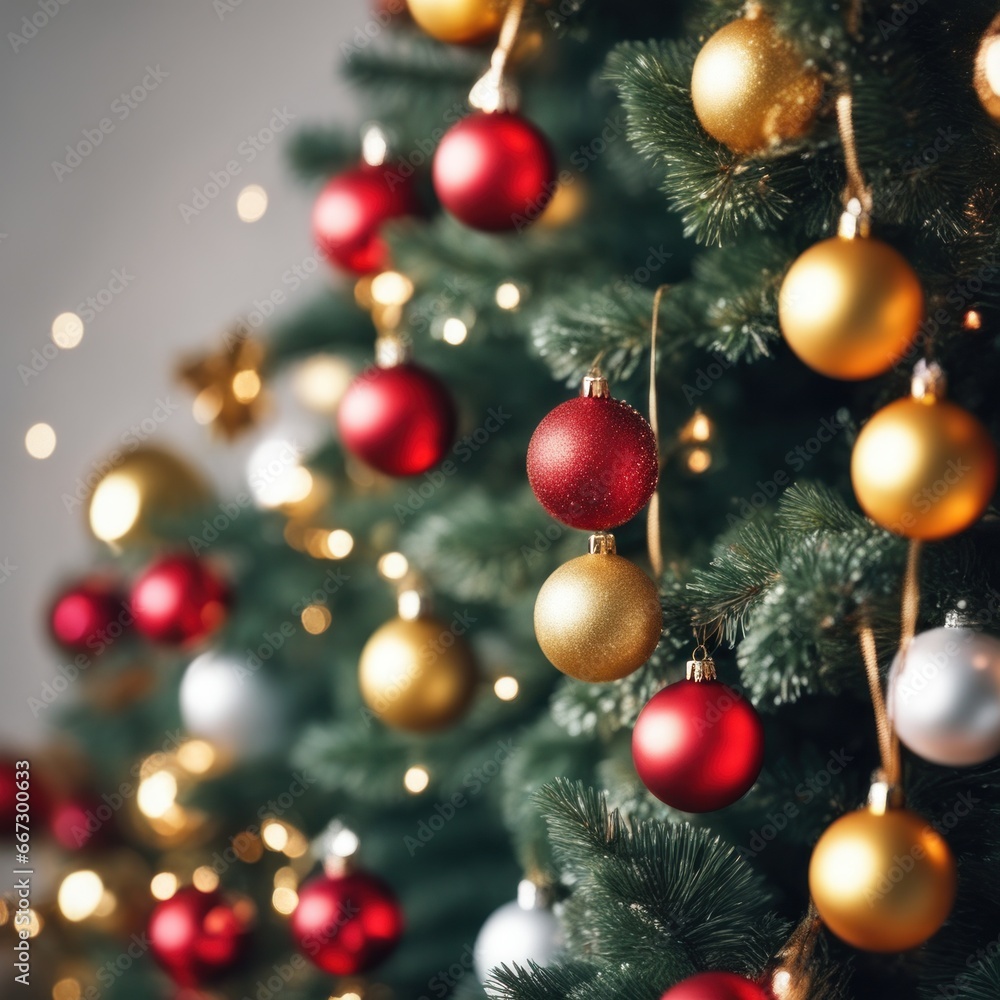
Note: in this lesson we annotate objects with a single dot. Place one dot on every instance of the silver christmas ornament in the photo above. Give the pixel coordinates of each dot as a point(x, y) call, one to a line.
point(517, 933)
point(944, 696)
point(234, 706)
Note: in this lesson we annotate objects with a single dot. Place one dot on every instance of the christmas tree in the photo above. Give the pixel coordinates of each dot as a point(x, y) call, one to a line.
point(736, 262)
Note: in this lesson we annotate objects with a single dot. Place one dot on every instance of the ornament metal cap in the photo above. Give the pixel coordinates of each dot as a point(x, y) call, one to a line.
point(929, 382)
point(391, 350)
point(532, 895)
point(595, 387)
point(602, 543)
point(882, 795)
point(701, 667)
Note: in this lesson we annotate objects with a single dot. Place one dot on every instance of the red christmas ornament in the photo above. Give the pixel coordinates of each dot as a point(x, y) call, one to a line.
point(198, 937)
point(716, 986)
point(400, 420)
point(88, 616)
point(494, 171)
point(698, 745)
point(77, 823)
point(346, 924)
point(350, 210)
point(179, 600)
point(592, 461)
point(20, 784)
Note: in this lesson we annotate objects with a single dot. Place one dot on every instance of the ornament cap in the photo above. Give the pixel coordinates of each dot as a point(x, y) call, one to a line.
point(532, 895)
point(390, 351)
point(929, 382)
point(595, 387)
point(701, 667)
point(602, 543)
point(883, 796)
point(855, 222)
point(959, 617)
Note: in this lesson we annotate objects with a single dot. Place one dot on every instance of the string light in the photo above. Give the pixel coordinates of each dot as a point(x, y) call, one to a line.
point(67, 330)
point(390, 288)
point(67, 989)
point(508, 296)
point(416, 780)
point(454, 331)
point(40, 441)
point(409, 604)
point(251, 203)
point(316, 619)
point(114, 507)
point(374, 145)
point(973, 320)
point(246, 385)
point(393, 566)
point(320, 382)
point(339, 543)
point(506, 688)
point(204, 879)
point(196, 756)
point(275, 835)
point(284, 900)
point(157, 793)
point(699, 460)
point(80, 895)
point(163, 885)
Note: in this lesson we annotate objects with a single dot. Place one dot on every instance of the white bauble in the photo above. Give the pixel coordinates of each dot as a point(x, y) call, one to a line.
point(944, 696)
point(514, 935)
point(233, 706)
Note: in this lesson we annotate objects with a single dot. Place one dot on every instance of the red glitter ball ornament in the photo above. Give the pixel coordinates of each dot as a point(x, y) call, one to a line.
point(347, 924)
point(88, 616)
point(349, 213)
point(592, 462)
point(399, 420)
point(198, 937)
point(716, 986)
point(698, 745)
point(494, 171)
point(179, 600)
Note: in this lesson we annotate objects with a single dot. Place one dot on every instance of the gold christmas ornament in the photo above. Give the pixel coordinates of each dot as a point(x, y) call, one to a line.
point(924, 468)
point(418, 674)
point(882, 881)
point(133, 493)
point(228, 384)
point(598, 617)
point(751, 88)
point(850, 308)
point(459, 22)
point(986, 77)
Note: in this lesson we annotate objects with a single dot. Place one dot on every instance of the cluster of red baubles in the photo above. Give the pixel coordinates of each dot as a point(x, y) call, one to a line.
point(179, 600)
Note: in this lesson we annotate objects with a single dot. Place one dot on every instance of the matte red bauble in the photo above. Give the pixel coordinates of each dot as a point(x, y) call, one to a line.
point(346, 924)
point(198, 937)
point(179, 600)
point(76, 823)
point(716, 986)
point(399, 420)
point(698, 745)
point(349, 212)
point(592, 462)
point(85, 618)
point(494, 171)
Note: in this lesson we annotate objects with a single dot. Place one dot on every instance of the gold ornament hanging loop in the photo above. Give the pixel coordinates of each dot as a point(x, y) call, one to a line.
point(492, 92)
point(654, 539)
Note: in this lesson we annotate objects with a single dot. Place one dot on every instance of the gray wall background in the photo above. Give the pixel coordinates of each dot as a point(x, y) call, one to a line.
point(119, 209)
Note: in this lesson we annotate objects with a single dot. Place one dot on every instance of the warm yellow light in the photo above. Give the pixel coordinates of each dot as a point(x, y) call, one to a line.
point(316, 619)
point(4, 912)
point(374, 145)
point(321, 381)
point(297, 844)
point(454, 331)
point(390, 288)
point(393, 565)
point(67, 330)
point(973, 320)
point(409, 603)
point(196, 756)
point(506, 688)
point(157, 794)
point(40, 441)
point(300, 484)
point(508, 296)
point(345, 843)
point(275, 835)
point(991, 65)
point(286, 878)
point(416, 779)
point(248, 847)
point(80, 895)
point(34, 924)
point(204, 879)
point(339, 543)
point(114, 507)
point(251, 203)
point(207, 405)
point(284, 900)
point(163, 885)
point(701, 427)
point(67, 989)
point(699, 460)
point(246, 385)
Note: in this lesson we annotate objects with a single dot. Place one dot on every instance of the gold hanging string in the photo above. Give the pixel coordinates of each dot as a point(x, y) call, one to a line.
point(491, 92)
point(854, 20)
point(654, 539)
point(857, 195)
point(911, 596)
point(888, 744)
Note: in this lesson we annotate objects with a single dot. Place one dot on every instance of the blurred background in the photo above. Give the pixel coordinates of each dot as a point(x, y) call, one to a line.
point(116, 237)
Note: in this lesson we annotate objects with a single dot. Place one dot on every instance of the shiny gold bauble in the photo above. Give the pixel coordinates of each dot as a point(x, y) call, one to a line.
point(751, 88)
point(140, 491)
point(850, 308)
point(598, 618)
point(418, 675)
point(924, 468)
point(882, 882)
point(459, 22)
point(986, 77)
